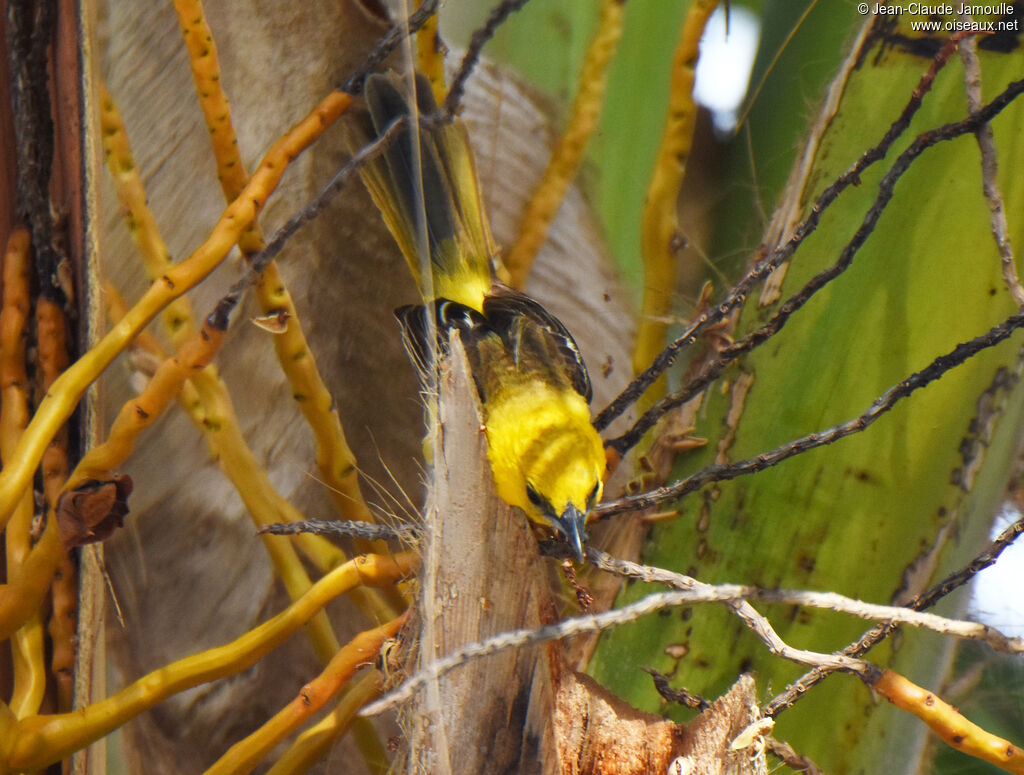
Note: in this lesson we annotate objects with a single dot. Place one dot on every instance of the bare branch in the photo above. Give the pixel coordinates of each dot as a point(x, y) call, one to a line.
point(689, 591)
point(989, 168)
point(876, 634)
point(736, 593)
point(779, 255)
point(700, 593)
point(886, 188)
point(679, 696)
point(349, 529)
point(881, 405)
point(498, 15)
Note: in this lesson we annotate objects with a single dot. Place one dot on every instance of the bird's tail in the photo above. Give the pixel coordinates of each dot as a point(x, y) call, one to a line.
point(454, 226)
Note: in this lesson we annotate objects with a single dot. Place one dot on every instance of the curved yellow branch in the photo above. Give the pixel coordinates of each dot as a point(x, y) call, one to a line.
point(51, 336)
point(38, 741)
point(142, 411)
point(659, 230)
point(142, 226)
point(314, 743)
point(334, 457)
point(359, 652)
point(568, 153)
point(27, 644)
point(947, 723)
point(62, 397)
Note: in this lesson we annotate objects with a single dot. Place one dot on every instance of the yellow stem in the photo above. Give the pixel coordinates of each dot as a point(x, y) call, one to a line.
point(568, 153)
point(27, 645)
point(29, 668)
point(314, 743)
point(131, 195)
point(51, 336)
point(39, 741)
point(63, 396)
point(660, 226)
point(334, 457)
point(28, 584)
point(142, 411)
point(361, 651)
point(947, 723)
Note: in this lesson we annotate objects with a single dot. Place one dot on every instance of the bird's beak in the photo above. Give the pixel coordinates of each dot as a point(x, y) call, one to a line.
point(570, 525)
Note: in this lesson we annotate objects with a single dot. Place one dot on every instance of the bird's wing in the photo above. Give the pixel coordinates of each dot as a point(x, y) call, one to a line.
point(536, 339)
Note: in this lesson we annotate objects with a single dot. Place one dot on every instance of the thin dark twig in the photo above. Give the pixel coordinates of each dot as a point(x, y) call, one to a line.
point(880, 632)
point(885, 193)
point(497, 17)
point(881, 405)
point(259, 261)
point(990, 173)
point(788, 756)
point(333, 187)
point(29, 30)
point(985, 559)
point(780, 254)
point(387, 44)
point(371, 532)
point(680, 696)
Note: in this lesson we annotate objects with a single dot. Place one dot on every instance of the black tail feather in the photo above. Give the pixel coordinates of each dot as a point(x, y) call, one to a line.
point(387, 103)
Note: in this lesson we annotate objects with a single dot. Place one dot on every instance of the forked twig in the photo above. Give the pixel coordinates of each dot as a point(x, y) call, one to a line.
point(877, 634)
point(882, 404)
point(885, 192)
point(782, 253)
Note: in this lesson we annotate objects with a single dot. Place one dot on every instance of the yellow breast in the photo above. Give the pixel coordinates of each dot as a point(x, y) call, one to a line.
point(540, 435)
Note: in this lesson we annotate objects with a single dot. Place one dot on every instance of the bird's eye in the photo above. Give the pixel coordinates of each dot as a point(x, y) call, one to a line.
point(534, 497)
point(592, 498)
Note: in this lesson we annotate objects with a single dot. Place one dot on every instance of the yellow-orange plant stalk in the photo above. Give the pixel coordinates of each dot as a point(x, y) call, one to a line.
point(62, 397)
point(948, 724)
point(142, 411)
point(660, 222)
point(430, 57)
point(314, 743)
point(219, 427)
point(334, 457)
point(178, 316)
point(52, 346)
point(27, 650)
point(38, 741)
point(359, 652)
point(568, 153)
point(131, 195)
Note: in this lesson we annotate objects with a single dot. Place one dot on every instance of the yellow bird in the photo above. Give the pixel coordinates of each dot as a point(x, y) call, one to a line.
point(545, 455)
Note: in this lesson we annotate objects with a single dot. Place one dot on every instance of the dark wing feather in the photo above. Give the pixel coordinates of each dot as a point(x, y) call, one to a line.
point(386, 101)
point(536, 339)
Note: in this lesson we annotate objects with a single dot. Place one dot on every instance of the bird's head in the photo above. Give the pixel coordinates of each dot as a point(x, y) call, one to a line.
point(545, 455)
point(565, 502)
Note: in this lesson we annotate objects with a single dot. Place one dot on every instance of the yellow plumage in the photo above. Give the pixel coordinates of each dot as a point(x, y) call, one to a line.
point(545, 455)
